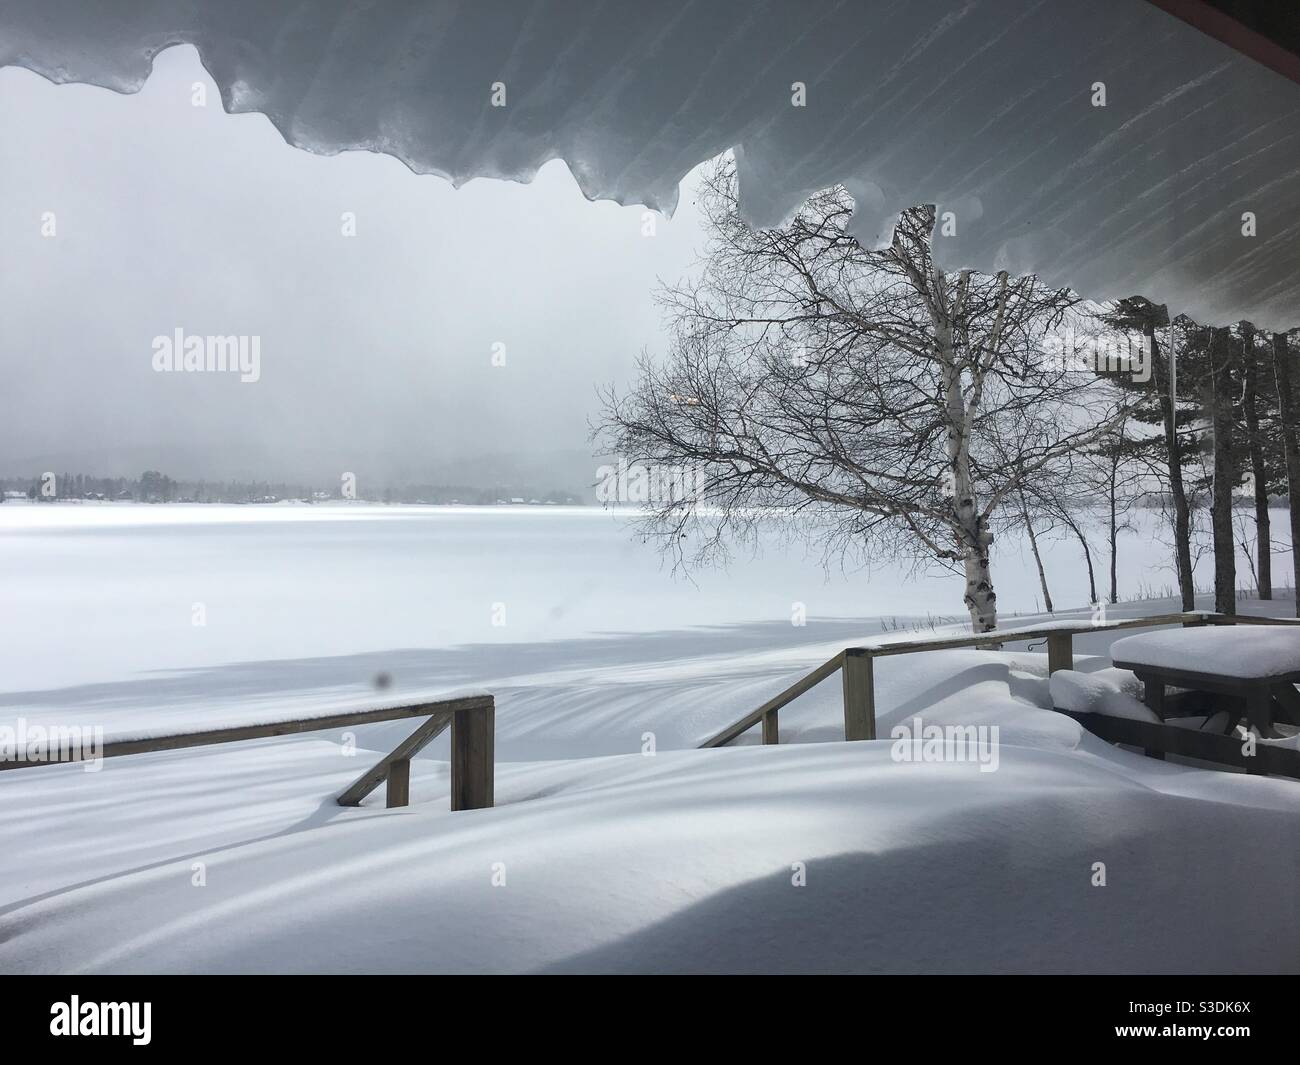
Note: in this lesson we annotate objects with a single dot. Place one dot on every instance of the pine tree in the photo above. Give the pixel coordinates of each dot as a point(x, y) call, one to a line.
point(1173, 450)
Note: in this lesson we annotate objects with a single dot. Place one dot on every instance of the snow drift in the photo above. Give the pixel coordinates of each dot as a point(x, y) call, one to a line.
point(1072, 857)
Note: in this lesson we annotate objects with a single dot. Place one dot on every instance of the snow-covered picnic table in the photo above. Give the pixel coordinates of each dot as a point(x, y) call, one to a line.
point(1256, 664)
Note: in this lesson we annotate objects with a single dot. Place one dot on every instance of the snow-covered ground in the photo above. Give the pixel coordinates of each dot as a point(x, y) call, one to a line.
point(806, 856)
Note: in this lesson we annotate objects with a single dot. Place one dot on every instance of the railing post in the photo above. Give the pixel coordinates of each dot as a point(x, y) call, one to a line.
point(859, 696)
point(473, 734)
point(771, 730)
point(399, 783)
point(1060, 651)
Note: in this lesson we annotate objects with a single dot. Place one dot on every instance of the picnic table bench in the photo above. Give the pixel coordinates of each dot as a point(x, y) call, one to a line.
point(1252, 670)
point(1247, 671)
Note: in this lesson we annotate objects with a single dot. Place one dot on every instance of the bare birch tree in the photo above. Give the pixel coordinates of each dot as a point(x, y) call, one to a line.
point(869, 399)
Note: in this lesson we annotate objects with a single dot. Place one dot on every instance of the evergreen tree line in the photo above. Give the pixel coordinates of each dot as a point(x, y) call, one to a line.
point(1214, 451)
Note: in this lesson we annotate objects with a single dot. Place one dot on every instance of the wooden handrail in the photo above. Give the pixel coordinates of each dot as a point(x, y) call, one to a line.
point(472, 719)
point(395, 767)
point(1043, 632)
point(774, 704)
point(859, 682)
point(473, 729)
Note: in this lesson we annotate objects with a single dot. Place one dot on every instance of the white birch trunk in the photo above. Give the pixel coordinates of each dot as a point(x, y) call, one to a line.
point(970, 531)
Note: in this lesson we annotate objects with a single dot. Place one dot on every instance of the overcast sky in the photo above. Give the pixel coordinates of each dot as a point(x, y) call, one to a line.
point(376, 350)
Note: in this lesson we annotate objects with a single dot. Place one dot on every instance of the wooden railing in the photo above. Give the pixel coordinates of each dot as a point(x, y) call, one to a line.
point(857, 666)
point(472, 720)
point(473, 765)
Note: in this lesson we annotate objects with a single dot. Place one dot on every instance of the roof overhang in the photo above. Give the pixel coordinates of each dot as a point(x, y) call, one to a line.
point(984, 107)
point(1264, 30)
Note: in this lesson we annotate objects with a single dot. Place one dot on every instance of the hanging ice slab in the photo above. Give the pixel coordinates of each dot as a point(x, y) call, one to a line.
point(1106, 146)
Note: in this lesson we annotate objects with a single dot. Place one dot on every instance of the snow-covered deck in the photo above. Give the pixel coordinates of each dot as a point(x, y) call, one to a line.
point(1068, 855)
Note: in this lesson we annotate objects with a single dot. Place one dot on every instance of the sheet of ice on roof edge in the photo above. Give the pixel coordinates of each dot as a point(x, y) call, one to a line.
point(990, 109)
point(1241, 651)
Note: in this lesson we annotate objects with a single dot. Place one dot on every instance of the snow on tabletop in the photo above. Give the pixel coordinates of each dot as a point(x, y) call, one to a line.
point(1242, 651)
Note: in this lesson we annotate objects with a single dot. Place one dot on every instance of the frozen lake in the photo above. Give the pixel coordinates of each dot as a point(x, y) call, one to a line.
point(111, 610)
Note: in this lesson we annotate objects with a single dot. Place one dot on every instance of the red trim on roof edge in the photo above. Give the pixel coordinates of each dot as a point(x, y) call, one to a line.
point(1236, 35)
